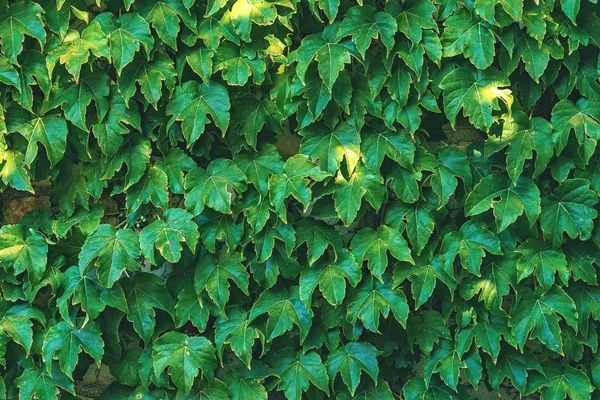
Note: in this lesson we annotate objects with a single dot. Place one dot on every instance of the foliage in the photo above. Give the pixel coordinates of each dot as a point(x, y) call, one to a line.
point(251, 197)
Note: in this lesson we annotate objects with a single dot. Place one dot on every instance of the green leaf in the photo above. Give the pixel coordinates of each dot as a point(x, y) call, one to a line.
point(293, 182)
point(145, 293)
point(191, 307)
point(167, 235)
point(330, 54)
point(582, 117)
point(514, 366)
point(487, 335)
point(416, 388)
point(246, 384)
point(237, 65)
point(476, 92)
point(238, 333)
point(587, 301)
point(150, 75)
point(213, 275)
point(364, 23)
point(152, 188)
point(16, 323)
point(413, 17)
point(375, 391)
point(350, 360)
point(252, 115)
point(395, 145)
point(419, 220)
point(523, 136)
point(348, 194)
point(174, 165)
point(40, 384)
point(259, 167)
point(64, 342)
point(74, 51)
point(125, 34)
point(318, 236)
point(23, 250)
point(571, 9)
point(215, 227)
point(557, 383)
point(13, 171)
point(372, 299)
point(373, 247)
point(17, 20)
point(200, 60)
point(245, 13)
point(112, 252)
point(184, 356)
point(48, 130)
point(425, 329)
point(111, 131)
point(213, 186)
point(508, 200)
point(423, 275)
point(298, 371)
point(264, 242)
point(534, 56)
point(81, 286)
point(465, 34)
point(452, 164)
point(494, 284)
point(193, 102)
point(164, 15)
point(445, 361)
point(331, 278)
point(569, 209)
point(75, 98)
point(470, 242)
point(330, 149)
point(285, 310)
point(544, 261)
point(537, 317)
point(487, 9)
point(135, 154)
point(33, 72)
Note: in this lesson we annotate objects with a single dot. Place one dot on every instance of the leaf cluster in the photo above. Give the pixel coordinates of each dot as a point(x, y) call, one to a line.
point(249, 198)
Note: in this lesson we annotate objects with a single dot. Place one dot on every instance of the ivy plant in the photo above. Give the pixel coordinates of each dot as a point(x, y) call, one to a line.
point(302, 199)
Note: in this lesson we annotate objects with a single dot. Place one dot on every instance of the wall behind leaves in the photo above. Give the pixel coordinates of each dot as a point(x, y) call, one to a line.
point(242, 199)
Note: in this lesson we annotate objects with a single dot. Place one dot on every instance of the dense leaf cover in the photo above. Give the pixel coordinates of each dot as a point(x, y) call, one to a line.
point(253, 198)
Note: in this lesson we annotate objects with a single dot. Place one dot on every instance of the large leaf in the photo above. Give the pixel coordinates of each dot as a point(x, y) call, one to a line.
point(569, 209)
point(185, 357)
point(350, 360)
point(211, 187)
point(112, 251)
point(166, 235)
point(193, 102)
point(373, 246)
point(17, 20)
point(64, 342)
point(508, 200)
point(476, 92)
